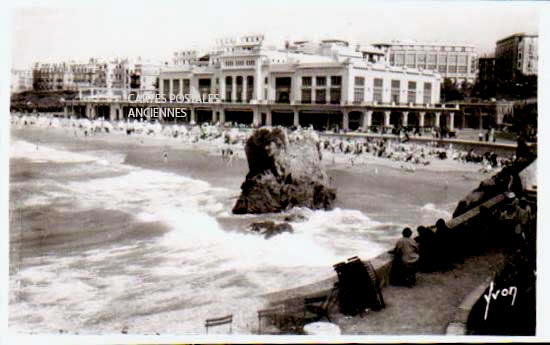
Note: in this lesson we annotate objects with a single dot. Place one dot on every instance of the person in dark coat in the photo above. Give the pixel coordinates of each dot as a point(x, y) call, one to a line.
point(444, 245)
point(426, 248)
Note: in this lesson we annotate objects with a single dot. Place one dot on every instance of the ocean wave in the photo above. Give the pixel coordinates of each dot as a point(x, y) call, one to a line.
point(41, 153)
point(433, 209)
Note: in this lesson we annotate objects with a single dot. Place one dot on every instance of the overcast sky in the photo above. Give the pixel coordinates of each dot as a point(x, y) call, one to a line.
point(58, 31)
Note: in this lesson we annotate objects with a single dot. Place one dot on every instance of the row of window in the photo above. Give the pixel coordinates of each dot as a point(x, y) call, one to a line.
point(401, 59)
point(335, 96)
point(322, 81)
point(251, 39)
point(452, 58)
point(307, 92)
point(452, 49)
point(231, 63)
point(378, 89)
point(379, 82)
point(228, 81)
point(440, 68)
point(205, 87)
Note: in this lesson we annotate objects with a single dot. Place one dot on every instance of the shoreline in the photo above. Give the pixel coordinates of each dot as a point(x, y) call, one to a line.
point(443, 182)
point(341, 160)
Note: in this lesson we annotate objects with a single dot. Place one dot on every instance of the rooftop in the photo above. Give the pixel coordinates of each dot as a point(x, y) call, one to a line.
point(415, 43)
point(518, 34)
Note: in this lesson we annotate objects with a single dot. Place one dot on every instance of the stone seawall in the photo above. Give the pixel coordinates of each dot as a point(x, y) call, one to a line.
point(381, 263)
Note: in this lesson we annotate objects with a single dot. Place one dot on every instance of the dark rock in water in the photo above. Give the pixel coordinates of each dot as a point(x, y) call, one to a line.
point(284, 171)
point(295, 217)
point(260, 226)
point(270, 228)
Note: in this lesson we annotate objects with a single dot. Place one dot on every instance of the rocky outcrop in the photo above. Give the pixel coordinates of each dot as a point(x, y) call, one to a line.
point(284, 171)
point(270, 228)
point(506, 180)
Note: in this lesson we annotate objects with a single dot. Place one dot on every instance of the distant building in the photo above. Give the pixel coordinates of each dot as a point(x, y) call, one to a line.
point(53, 77)
point(516, 55)
point(339, 49)
point(113, 74)
point(486, 71)
point(486, 77)
point(98, 78)
point(144, 77)
point(457, 62)
point(186, 57)
point(84, 74)
point(325, 84)
point(21, 80)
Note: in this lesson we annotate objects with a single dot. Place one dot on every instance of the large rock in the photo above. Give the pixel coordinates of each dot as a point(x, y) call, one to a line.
point(284, 171)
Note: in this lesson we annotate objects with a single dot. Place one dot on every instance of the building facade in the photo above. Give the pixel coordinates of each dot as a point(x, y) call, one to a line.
point(84, 74)
point(486, 69)
point(53, 77)
point(105, 77)
point(327, 72)
point(144, 77)
point(516, 55)
point(326, 84)
point(457, 62)
point(486, 82)
point(21, 80)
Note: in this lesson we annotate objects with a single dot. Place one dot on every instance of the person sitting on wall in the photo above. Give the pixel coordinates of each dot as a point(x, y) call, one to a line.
point(405, 253)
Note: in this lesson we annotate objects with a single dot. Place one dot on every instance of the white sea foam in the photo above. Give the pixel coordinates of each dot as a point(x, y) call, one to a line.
point(41, 153)
point(196, 261)
point(433, 209)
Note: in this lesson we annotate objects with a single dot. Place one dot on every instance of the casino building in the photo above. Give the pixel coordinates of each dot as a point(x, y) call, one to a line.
point(326, 84)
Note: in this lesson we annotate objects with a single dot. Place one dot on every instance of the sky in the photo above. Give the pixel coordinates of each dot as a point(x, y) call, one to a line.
point(51, 31)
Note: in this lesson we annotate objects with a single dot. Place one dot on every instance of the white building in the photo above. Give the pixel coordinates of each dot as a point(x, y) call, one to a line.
point(144, 76)
point(21, 80)
point(322, 84)
point(457, 62)
point(84, 74)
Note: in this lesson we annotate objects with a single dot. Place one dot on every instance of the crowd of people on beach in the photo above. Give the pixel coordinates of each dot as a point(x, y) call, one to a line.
point(230, 138)
point(227, 138)
point(410, 154)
